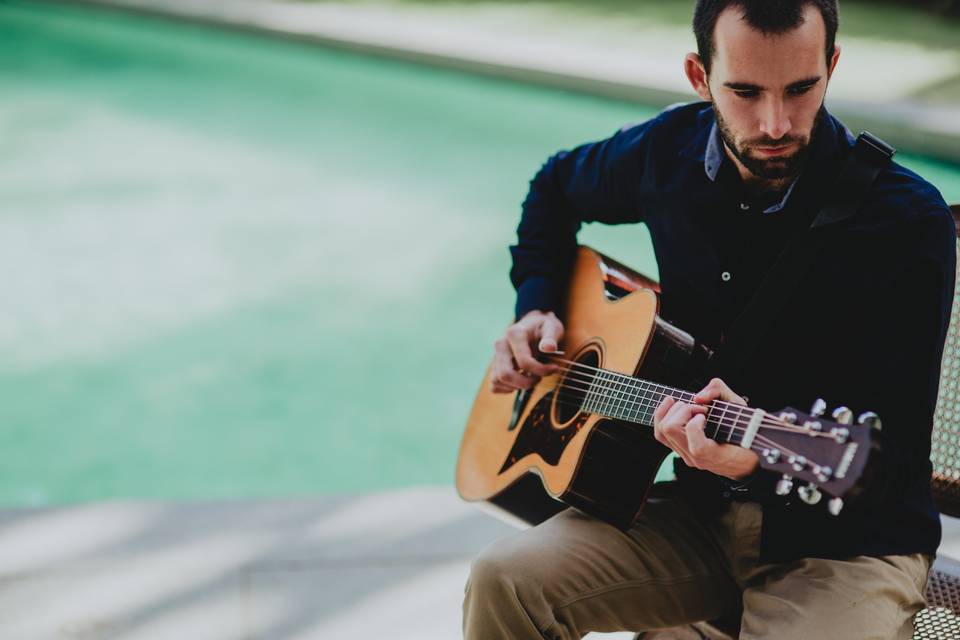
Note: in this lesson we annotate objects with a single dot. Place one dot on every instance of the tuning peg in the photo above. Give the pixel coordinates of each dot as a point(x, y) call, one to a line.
point(799, 463)
point(870, 419)
point(809, 493)
point(843, 415)
point(835, 506)
point(784, 485)
point(819, 406)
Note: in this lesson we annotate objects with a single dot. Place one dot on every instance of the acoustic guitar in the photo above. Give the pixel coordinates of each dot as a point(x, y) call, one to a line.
point(583, 436)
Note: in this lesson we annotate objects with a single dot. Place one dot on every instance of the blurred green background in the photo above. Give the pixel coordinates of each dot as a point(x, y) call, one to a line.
point(239, 266)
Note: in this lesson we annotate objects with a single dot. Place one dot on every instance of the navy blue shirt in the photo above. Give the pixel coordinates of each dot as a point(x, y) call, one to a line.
point(865, 327)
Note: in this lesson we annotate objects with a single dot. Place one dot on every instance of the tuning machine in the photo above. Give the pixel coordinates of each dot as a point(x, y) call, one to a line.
point(834, 506)
point(809, 493)
point(784, 485)
point(870, 419)
point(818, 408)
point(843, 415)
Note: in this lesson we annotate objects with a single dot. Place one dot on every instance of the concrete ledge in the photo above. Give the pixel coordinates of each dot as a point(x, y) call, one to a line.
point(449, 41)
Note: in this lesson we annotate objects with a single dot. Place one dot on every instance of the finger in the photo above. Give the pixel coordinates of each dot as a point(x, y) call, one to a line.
point(698, 443)
point(674, 427)
point(717, 389)
point(661, 410)
point(498, 387)
point(551, 333)
point(681, 412)
point(518, 339)
point(504, 372)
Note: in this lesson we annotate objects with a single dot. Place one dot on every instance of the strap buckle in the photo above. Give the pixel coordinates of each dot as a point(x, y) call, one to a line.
point(875, 144)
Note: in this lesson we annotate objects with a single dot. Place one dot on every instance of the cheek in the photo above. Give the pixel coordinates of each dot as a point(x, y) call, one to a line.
point(738, 114)
point(804, 112)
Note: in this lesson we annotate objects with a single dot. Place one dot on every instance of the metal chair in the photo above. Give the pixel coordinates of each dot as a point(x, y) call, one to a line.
point(941, 619)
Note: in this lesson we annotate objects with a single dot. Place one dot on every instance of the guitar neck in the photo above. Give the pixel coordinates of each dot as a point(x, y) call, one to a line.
point(621, 397)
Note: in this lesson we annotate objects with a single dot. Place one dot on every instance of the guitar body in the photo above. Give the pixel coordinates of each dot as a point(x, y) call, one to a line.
point(532, 453)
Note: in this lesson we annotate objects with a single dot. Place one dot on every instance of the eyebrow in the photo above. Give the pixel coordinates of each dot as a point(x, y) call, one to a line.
point(746, 86)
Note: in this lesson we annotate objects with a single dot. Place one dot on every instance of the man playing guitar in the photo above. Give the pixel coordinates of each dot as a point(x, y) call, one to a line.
point(723, 185)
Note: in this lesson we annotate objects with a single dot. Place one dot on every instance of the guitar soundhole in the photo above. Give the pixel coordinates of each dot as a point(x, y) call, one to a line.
point(572, 389)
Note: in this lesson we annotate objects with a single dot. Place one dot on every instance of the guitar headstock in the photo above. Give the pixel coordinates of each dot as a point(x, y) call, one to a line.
point(818, 454)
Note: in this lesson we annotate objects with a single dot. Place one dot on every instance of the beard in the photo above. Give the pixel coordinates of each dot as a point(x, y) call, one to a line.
point(774, 168)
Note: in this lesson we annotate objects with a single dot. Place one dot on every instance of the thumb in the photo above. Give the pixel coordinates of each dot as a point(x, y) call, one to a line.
point(551, 332)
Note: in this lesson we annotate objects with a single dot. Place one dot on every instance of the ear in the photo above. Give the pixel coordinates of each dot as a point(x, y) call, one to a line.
point(697, 76)
point(833, 60)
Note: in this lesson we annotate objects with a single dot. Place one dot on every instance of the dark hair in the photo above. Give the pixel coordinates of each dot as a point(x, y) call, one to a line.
point(766, 16)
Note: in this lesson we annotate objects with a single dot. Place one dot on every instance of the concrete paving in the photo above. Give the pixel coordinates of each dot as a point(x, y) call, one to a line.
point(615, 57)
point(382, 565)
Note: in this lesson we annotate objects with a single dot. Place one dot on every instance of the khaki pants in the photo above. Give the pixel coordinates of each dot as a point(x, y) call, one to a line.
point(574, 574)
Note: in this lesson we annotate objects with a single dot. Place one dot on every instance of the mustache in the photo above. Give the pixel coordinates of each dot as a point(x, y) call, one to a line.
point(782, 142)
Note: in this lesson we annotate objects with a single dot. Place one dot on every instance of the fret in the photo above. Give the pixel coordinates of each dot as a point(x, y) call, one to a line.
point(735, 438)
point(642, 401)
point(719, 424)
point(619, 403)
point(596, 395)
point(633, 402)
point(652, 399)
point(607, 401)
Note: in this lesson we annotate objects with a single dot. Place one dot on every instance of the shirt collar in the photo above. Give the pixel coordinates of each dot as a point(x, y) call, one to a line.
point(713, 158)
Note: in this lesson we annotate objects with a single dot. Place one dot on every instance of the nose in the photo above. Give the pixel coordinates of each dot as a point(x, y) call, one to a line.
point(774, 120)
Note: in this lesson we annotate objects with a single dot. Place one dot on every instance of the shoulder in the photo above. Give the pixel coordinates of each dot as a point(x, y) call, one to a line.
point(901, 201)
point(678, 124)
point(668, 141)
point(901, 194)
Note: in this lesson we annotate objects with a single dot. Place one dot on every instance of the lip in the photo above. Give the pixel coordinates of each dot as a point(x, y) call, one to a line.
point(775, 151)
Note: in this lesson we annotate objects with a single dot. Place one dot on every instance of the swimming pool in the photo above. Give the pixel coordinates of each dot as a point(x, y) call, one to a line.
point(240, 266)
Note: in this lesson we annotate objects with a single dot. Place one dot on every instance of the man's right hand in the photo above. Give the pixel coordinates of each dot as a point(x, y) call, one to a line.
point(514, 364)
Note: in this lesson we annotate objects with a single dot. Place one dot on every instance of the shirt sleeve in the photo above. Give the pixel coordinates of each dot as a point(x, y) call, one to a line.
point(593, 182)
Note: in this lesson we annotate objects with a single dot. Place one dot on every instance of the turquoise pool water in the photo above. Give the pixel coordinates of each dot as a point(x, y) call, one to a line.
point(240, 267)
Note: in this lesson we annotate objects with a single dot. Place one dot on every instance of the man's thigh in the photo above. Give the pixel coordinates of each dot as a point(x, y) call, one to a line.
point(853, 599)
point(574, 574)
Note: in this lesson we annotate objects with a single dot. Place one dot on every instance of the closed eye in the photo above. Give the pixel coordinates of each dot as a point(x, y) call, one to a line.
point(746, 93)
point(799, 91)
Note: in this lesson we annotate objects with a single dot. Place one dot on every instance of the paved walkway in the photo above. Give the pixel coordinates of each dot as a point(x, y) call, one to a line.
point(615, 56)
point(384, 565)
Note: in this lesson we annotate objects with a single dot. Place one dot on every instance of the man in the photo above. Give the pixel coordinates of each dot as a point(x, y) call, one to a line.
point(723, 186)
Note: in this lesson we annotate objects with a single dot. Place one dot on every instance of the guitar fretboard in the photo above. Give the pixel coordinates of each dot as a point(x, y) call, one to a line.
point(621, 397)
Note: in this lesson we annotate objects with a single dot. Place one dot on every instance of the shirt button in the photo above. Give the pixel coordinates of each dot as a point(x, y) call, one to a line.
point(744, 206)
point(725, 276)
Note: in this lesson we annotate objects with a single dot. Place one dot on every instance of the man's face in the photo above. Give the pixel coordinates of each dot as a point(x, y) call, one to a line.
point(767, 91)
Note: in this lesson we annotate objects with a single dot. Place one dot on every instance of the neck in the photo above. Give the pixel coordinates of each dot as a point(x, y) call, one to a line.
point(621, 397)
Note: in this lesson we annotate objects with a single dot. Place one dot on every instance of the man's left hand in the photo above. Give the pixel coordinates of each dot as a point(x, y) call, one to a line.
point(679, 425)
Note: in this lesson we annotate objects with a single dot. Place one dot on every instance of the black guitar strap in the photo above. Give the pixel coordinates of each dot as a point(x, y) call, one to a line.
point(869, 157)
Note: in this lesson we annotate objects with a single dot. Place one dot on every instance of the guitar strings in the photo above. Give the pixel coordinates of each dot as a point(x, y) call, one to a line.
point(631, 398)
point(637, 402)
point(645, 404)
point(645, 407)
point(632, 390)
point(761, 445)
point(627, 387)
point(731, 422)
